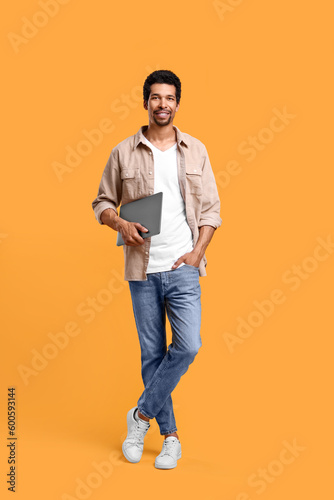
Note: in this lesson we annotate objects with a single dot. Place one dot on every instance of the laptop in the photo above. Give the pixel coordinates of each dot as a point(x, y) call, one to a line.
point(147, 211)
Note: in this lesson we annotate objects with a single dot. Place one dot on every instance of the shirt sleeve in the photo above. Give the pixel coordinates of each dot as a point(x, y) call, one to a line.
point(110, 189)
point(210, 214)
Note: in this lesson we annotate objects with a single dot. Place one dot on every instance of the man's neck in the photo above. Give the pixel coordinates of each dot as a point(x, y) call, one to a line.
point(160, 135)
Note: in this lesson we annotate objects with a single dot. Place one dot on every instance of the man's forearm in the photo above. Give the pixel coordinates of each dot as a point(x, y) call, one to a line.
point(110, 218)
point(204, 238)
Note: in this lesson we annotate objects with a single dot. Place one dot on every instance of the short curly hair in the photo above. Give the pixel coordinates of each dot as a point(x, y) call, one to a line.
point(162, 76)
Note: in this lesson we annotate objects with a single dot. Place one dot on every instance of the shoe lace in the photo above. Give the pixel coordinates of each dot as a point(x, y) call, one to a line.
point(138, 433)
point(168, 447)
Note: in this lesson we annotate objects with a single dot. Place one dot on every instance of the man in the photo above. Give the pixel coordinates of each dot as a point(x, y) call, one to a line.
point(163, 270)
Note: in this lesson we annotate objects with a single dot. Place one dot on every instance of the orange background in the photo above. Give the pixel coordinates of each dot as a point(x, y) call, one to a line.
point(237, 407)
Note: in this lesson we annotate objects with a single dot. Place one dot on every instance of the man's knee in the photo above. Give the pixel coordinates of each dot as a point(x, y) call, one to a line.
point(191, 352)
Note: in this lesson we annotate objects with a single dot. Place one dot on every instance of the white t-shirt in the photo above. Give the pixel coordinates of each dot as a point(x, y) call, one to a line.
point(175, 238)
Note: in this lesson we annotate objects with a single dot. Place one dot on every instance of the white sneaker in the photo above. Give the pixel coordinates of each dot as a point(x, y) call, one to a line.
point(133, 445)
point(170, 453)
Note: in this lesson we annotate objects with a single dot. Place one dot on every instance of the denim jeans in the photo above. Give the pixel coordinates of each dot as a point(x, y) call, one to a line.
point(178, 293)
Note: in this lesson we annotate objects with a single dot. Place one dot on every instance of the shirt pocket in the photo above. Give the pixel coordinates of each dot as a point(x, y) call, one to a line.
point(129, 178)
point(194, 178)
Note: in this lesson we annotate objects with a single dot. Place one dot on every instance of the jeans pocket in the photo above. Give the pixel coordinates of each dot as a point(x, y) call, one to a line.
point(189, 265)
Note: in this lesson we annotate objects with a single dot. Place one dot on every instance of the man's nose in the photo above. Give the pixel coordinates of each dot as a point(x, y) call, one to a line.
point(163, 103)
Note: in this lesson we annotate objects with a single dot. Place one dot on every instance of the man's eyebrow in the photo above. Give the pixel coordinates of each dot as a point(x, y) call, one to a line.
point(168, 95)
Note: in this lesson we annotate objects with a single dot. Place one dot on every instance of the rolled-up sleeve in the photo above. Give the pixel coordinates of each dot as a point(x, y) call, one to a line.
point(110, 189)
point(210, 213)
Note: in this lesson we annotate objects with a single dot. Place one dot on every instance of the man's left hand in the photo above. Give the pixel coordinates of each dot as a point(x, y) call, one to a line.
point(191, 258)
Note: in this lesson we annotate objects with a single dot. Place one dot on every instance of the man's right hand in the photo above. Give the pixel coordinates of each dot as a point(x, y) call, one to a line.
point(129, 232)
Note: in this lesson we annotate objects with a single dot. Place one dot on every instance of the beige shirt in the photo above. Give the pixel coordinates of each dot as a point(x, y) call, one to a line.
point(129, 175)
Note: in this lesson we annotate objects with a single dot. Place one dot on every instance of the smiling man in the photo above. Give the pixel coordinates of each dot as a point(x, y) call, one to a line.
point(162, 271)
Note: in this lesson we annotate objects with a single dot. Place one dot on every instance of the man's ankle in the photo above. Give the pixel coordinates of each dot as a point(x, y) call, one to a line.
point(140, 415)
point(174, 434)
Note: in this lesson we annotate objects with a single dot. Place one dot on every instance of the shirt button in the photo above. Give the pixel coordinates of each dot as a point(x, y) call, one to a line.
point(126, 174)
point(150, 173)
point(195, 170)
point(150, 153)
point(146, 253)
point(151, 192)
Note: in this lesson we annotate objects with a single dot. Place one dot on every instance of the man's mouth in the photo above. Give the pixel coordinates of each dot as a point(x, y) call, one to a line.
point(162, 114)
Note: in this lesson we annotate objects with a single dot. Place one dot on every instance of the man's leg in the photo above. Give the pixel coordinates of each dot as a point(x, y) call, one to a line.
point(150, 316)
point(182, 293)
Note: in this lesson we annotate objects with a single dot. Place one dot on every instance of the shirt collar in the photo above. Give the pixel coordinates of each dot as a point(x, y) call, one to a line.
point(139, 137)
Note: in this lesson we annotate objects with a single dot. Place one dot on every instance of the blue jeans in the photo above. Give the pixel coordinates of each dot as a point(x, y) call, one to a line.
point(178, 293)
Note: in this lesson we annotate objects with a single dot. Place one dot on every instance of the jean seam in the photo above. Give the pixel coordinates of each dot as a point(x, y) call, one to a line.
point(168, 432)
point(171, 316)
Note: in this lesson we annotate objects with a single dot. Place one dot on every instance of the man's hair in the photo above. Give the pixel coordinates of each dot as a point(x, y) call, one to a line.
point(162, 76)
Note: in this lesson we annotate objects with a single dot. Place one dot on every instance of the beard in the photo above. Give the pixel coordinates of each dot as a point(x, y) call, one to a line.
point(162, 122)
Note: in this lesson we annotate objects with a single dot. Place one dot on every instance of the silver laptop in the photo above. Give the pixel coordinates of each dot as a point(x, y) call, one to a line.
point(147, 211)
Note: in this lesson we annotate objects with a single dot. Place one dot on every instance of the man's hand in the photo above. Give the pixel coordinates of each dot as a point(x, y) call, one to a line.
point(191, 258)
point(129, 232)
point(194, 257)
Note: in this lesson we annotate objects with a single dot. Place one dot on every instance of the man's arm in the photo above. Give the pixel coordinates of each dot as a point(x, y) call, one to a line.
point(110, 189)
point(194, 257)
point(204, 238)
point(210, 212)
point(108, 199)
point(210, 216)
point(110, 218)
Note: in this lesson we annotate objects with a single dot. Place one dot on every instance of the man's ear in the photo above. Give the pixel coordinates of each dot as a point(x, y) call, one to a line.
point(177, 107)
point(145, 105)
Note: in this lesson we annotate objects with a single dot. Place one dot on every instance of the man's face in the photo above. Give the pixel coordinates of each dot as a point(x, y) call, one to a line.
point(161, 104)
